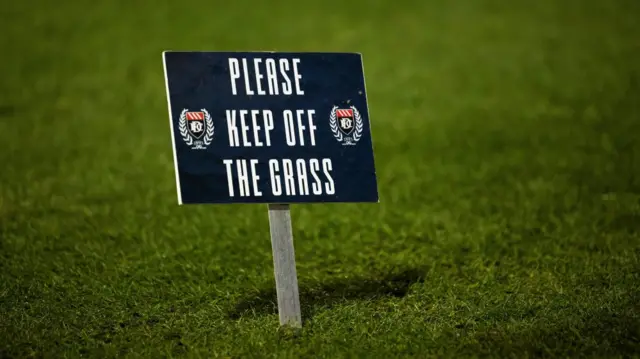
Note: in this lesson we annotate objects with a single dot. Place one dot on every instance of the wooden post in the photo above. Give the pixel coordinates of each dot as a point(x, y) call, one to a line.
point(284, 265)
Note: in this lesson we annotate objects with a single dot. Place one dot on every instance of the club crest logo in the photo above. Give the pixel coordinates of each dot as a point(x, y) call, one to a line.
point(346, 125)
point(196, 128)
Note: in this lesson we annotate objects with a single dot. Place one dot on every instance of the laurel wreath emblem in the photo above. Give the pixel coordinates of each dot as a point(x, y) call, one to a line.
point(333, 123)
point(208, 136)
point(182, 127)
point(359, 125)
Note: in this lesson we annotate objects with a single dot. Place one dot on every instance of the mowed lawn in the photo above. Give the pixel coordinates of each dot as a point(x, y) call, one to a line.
point(507, 144)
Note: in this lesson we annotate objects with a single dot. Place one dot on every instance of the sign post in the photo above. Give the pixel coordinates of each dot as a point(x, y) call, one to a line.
point(271, 127)
point(284, 265)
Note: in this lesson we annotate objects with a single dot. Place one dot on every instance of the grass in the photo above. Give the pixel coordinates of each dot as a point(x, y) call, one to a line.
point(506, 142)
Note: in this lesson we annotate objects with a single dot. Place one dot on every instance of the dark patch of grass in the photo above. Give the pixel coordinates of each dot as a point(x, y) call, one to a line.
point(598, 333)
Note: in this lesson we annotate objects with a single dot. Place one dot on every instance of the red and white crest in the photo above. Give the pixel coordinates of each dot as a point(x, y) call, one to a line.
point(196, 128)
point(346, 124)
point(195, 124)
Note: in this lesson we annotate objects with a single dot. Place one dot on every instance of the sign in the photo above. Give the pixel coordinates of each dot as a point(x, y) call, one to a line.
point(266, 127)
point(276, 128)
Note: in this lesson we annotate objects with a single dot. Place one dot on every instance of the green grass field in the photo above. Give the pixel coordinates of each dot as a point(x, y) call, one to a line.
point(507, 144)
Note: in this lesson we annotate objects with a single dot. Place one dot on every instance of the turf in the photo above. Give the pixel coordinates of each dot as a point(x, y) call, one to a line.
point(506, 137)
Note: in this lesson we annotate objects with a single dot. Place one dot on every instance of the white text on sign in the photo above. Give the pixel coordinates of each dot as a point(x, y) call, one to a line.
point(287, 177)
point(276, 75)
point(249, 128)
point(253, 128)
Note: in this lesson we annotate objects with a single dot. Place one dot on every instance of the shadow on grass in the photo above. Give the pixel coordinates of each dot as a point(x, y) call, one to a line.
point(325, 295)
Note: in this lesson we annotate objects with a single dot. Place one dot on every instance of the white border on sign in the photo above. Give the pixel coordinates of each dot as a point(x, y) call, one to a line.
point(173, 138)
point(364, 82)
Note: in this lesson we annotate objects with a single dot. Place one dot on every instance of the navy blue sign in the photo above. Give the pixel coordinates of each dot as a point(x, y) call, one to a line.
point(265, 127)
